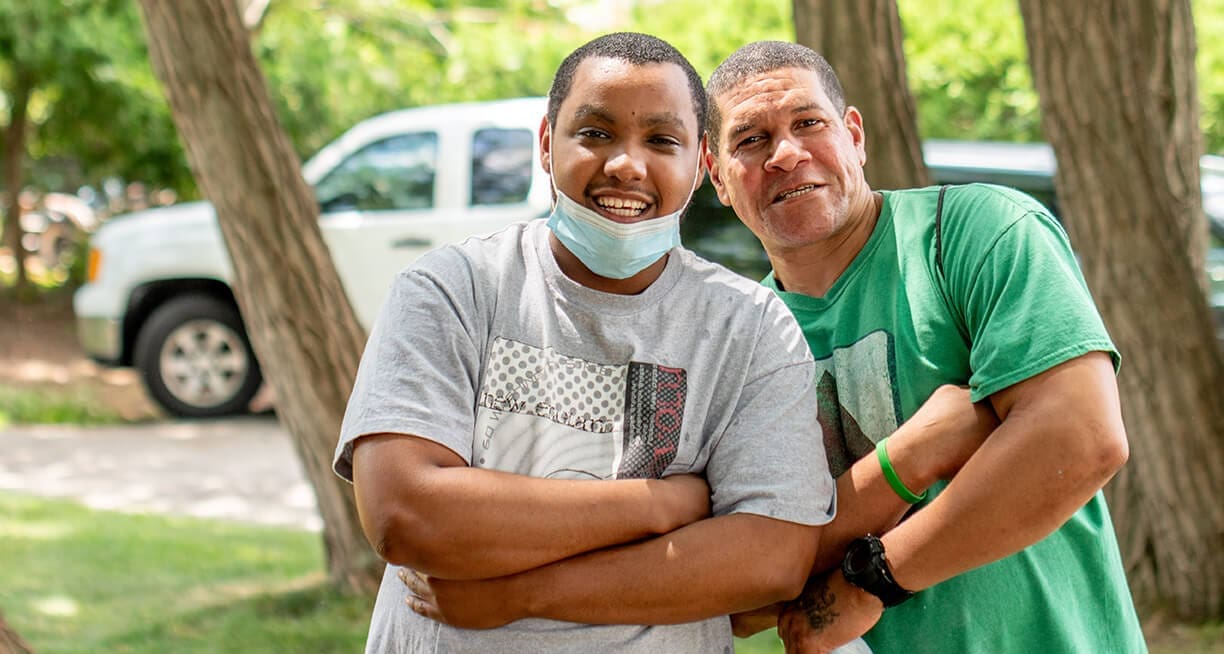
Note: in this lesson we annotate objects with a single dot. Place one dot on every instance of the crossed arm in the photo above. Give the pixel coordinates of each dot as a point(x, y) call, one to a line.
point(422, 507)
point(617, 555)
point(931, 446)
point(1060, 440)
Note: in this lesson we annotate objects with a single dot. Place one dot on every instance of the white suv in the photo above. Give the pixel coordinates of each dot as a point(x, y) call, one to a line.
point(389, 189)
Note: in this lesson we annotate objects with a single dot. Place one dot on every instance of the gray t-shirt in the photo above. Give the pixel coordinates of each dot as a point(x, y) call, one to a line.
point(487, 348)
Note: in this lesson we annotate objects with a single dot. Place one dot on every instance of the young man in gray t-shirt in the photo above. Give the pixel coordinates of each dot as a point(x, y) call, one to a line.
point(539, 411)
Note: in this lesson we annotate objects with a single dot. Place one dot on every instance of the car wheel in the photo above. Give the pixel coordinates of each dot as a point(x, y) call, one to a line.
point(195, 358)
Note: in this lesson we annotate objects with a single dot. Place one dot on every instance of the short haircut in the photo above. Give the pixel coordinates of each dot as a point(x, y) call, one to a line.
point(762, 57)
point(634, 48)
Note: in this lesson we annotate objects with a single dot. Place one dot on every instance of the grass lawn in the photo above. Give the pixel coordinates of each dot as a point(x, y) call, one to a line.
point(74, 580)
point(51, 404)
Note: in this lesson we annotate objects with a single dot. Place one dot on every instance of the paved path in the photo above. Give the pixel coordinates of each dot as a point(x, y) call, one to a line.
point(236, 469)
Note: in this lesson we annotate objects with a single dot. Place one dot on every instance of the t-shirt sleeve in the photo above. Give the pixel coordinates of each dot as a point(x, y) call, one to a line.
point(1025, 304)
point(770, 459)
point(419, 371)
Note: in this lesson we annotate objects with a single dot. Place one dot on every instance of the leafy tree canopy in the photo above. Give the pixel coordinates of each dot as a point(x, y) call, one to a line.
point(96, 110)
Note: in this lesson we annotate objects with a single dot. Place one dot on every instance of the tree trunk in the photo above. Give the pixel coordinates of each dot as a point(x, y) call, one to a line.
point(1119, 104)
point(14, 158)
point(862, 40)
point(301, 324)
point(10, 642)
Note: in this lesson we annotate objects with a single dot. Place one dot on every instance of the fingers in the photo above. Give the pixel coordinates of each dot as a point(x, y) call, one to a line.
point(415, 581)
point(420, 596)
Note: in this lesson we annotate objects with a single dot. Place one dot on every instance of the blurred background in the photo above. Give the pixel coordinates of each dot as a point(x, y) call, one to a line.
point(95, 554)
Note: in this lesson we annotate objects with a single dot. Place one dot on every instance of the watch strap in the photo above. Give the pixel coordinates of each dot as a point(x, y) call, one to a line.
point(874, 575)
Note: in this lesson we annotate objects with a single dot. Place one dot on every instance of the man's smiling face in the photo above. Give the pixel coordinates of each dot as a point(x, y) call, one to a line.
point(788, 163)
point(625, 143)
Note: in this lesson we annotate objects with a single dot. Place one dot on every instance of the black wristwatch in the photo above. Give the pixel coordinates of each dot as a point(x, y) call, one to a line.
point(865, 567)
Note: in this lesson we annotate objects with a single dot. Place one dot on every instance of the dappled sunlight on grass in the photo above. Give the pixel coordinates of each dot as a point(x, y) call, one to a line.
point(56, 606)
point(76, 580)
point(34, 531)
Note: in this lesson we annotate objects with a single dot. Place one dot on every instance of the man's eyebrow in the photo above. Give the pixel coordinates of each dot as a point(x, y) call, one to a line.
point(593, 111)
point(747, 123)
point(663, 119)
point(811, 106)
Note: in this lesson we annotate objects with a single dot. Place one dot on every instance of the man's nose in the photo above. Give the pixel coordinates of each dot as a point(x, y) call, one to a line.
point(787, 154)
point(626, 166)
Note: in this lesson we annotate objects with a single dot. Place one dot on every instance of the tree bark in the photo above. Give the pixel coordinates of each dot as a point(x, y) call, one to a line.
point(301, 324)
point(862, 40)
point(1117, 85)
point(10, 642)
point(14, 179)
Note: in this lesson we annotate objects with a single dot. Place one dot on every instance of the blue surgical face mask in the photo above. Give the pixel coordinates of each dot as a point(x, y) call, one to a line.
point(608, 248)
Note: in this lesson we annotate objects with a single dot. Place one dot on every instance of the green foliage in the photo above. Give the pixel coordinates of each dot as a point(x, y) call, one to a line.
point(329, 68)
point(706, 32)
point(1209, 25)
point(99, 111)
point(968, 68)
point(96, 109)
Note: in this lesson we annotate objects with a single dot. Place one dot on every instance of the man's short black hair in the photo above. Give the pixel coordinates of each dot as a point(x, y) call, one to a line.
point(762, 57)
point(634, 48)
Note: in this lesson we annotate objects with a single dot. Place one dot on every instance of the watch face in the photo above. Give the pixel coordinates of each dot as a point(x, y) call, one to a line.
point(858, 558)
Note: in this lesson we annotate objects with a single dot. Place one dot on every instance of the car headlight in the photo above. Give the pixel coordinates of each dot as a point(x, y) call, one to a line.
point(93, 265)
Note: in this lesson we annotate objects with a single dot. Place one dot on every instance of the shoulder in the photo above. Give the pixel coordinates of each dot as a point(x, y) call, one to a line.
point(742, 309)
point(977, 214)
point(989, 202)
point(717, 282)
point(475, 257)
point(997, 199)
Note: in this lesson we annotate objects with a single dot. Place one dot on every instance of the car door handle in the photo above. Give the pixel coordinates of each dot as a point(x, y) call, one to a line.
point(411, 242)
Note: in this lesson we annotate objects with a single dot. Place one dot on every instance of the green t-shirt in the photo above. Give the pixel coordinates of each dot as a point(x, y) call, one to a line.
point(1012, 304)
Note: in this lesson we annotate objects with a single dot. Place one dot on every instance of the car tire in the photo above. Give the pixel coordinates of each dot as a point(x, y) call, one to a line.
point(195, 358)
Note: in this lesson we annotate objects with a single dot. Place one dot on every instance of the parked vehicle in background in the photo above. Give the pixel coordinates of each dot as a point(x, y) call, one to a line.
point(159, 297)
point(392, 187)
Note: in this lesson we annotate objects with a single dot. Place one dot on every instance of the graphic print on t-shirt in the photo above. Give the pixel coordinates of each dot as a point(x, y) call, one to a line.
point(858, 403)
point(544, 414)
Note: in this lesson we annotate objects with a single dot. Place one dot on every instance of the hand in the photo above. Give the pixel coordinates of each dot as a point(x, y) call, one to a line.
point(828, 614)
point(469, 604)
point(748, 623)
point(684, 499)
point(953, 427)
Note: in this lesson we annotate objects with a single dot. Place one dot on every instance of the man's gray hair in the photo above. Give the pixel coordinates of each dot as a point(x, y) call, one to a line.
point(762, 57)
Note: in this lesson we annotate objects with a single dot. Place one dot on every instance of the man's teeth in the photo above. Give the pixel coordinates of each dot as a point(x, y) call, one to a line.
point(799, 191)
point(621, 207)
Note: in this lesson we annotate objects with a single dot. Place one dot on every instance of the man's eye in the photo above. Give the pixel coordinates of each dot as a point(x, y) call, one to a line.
point(592, 133)
point(748, 142)
point(812, 122)
point(666, 141)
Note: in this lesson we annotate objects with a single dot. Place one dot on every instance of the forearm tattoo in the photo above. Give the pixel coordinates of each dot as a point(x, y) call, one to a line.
point(816, 602)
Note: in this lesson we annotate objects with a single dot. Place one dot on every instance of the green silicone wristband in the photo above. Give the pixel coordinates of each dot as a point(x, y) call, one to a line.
point(891, 475)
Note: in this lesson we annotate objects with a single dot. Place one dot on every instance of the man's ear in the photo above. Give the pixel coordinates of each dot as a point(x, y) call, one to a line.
point(545, 145)
point(854, 124)
point(711, 164)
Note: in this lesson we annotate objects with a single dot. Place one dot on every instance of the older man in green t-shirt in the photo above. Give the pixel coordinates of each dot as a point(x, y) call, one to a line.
point(897, 293)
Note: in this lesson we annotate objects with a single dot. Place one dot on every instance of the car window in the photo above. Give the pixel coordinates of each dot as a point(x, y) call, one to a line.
point(713, 231)
point(392, 174)
point(501, 166)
